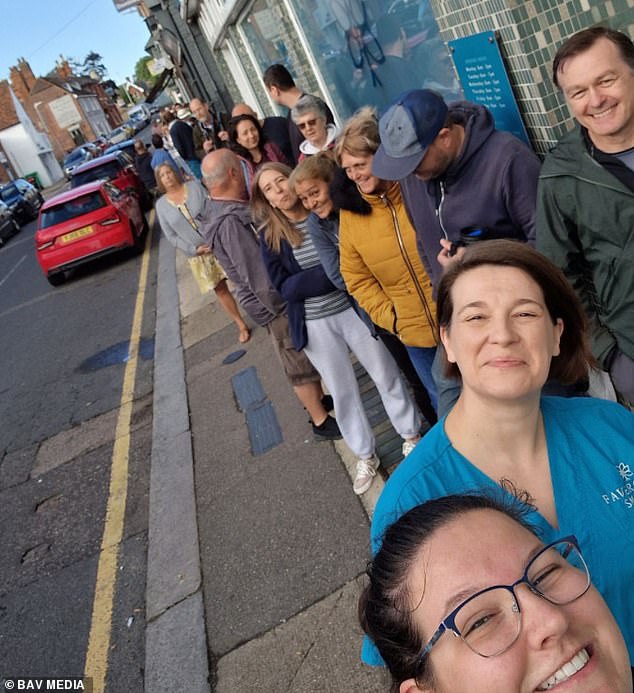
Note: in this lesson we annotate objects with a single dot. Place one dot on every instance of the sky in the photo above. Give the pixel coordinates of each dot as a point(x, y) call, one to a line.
point(39, 30)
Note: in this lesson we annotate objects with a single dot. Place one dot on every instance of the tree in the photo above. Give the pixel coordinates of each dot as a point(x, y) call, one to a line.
point(93, 62)
point(92, 65)
point(142, 75)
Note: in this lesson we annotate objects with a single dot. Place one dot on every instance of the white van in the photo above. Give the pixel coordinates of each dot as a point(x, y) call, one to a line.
point(141, 110)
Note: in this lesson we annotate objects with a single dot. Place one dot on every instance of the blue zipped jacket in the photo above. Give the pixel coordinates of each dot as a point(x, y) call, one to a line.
point(492, 184)
point(294, 284)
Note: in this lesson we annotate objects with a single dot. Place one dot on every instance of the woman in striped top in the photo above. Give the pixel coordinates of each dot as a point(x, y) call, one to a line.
point(323, 322)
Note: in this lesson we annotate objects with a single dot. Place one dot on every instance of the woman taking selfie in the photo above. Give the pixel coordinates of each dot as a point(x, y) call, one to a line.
point(325, 325)
point(508, 319)
point(178, 211)
point(463, 597)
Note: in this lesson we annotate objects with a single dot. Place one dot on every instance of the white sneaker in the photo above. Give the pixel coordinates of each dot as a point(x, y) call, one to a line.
point(408, 446)
point(366, 471)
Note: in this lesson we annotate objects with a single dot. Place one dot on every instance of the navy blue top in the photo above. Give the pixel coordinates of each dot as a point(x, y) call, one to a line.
point(294, 284)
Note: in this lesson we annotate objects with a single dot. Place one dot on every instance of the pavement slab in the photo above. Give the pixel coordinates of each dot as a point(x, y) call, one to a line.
point(315, 651)
point(173, 558)
point(170, 669)
point(278, 531)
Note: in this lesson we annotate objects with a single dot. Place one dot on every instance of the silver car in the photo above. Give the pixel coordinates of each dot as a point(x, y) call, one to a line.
point(79, 155)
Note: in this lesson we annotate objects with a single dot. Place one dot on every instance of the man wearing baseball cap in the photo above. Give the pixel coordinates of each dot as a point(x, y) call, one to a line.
point(460, 177)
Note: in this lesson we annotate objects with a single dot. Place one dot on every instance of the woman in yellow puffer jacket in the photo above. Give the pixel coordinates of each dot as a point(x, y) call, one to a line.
point(379, 260)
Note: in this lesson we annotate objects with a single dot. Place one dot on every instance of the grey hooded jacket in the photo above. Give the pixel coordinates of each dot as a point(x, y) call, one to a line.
point(230, 233)
point(492, 184)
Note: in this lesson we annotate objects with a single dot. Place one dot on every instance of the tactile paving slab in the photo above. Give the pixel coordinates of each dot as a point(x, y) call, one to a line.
point(247, 388)
point(264, 428)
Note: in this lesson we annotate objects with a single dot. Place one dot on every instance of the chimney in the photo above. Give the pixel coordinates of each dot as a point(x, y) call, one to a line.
point(22, 79)
point(27, 73)
point(64, 70)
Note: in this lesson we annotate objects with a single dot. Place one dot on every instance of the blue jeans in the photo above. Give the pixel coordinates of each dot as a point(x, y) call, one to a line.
point(194, 166)
point(422, 359)
point(448, 388)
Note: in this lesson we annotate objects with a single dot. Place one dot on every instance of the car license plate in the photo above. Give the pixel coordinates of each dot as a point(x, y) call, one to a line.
point(73, 235)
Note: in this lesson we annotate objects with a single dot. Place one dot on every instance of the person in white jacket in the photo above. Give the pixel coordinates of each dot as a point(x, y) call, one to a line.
point(311, 117)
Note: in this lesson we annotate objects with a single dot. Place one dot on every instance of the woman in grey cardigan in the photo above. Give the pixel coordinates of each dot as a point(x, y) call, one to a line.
point(178, 211)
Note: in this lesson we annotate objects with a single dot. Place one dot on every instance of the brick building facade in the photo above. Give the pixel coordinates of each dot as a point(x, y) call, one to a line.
point(8, 119)
point(61, 105)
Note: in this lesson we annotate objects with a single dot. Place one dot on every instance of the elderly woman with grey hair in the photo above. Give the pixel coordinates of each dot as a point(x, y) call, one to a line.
point(311, 117)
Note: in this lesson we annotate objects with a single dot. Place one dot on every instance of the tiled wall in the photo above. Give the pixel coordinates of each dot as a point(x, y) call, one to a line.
point(530, 31)
point(230, 82)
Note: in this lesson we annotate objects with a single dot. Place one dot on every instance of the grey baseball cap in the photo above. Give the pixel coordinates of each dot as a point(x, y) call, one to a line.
point(407, 129)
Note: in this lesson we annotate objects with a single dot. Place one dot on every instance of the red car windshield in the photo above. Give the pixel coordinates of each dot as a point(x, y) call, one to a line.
point(107, 171)
point(71, 209)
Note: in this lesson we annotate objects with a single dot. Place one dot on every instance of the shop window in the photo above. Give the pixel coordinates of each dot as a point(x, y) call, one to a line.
point(267, 29)
point(371, 51)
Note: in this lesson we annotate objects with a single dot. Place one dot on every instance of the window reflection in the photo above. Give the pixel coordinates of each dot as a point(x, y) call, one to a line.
point(267, 29)
point(368, 51)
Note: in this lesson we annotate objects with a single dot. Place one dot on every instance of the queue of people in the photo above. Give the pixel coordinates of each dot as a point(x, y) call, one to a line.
point(432, 245)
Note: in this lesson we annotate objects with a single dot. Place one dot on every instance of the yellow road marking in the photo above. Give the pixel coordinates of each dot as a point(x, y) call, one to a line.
point(96, 665)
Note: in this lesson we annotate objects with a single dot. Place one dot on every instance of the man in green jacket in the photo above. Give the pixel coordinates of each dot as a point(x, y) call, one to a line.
point(585, 216)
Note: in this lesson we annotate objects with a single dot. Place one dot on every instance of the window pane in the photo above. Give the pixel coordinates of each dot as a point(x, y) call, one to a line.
point(269, 33)
point(71, 209)
point(108, 171)
point(370, 52)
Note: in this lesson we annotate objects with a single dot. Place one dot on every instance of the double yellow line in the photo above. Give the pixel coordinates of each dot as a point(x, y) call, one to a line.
point(96, 665)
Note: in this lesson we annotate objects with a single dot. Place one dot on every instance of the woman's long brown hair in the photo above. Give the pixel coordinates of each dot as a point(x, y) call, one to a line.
point(274, 222)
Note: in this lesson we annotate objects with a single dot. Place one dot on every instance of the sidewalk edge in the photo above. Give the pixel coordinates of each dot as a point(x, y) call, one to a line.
point(175, 627)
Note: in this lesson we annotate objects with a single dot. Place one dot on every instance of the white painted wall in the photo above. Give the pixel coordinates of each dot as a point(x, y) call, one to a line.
point(25, 158)
point(29, 149)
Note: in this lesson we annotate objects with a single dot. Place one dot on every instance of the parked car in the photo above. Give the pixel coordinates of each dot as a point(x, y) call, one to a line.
point(126, 146)
point(93, 148)
point(86, 223)
point(142, 111)
point(118, 168)
point(23, 199)
point(8, 225)
point(74, 158)
point(123, 132)
point(136, 123)
point(102, 142)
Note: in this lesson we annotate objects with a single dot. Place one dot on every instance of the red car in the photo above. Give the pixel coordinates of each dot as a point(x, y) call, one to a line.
point(117, 167)
point(86, 223)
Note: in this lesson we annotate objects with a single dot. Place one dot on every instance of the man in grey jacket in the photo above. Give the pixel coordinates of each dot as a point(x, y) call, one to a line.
point(586, 194)
point(232, 238)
